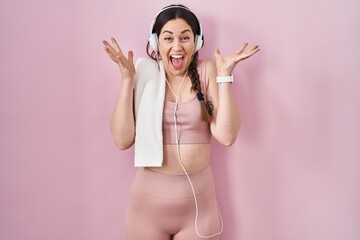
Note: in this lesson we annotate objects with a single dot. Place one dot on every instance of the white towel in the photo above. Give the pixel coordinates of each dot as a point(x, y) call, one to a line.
point(149, 103)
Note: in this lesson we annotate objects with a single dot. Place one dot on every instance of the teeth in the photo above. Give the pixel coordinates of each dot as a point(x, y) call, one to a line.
point(176, 56)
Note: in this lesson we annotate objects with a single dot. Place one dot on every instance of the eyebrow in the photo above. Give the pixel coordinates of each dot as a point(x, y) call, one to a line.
point(167, 31)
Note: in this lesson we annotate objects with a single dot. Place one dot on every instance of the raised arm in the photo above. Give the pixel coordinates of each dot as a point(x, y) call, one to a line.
point(122, 123)
point(226, 117)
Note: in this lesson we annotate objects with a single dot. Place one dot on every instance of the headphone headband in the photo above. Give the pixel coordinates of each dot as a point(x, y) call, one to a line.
point(153, 38)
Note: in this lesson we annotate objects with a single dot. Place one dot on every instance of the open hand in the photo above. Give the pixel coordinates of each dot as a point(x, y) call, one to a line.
point(126, 65)
point(225, 65)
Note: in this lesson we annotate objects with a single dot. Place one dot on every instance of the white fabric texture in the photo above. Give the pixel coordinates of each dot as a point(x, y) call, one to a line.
point(149, 103)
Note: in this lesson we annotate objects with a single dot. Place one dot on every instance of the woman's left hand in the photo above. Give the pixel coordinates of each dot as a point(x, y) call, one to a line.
point(225, 65)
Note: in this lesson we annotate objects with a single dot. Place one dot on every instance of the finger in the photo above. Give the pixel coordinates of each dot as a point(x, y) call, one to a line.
point(111, 55)
point(116, 45)
point(217, 53)
point(243, 57)
point(130, 56)
point(117, 53)
point(242, 48)
point(106, 44)
point(246, 55)
point(120, 56)
point(122, 59)
point(109, 47)
point(254, 48)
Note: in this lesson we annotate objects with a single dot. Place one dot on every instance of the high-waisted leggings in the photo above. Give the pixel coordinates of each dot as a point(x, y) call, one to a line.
point(162, 206)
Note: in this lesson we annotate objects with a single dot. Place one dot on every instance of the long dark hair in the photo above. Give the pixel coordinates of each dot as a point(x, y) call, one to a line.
point(180, 11)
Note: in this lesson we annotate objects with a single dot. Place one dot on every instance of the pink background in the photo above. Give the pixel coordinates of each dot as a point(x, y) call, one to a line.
point(293, 174)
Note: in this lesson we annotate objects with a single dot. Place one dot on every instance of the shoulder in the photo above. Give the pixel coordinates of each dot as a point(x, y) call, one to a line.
point(209, 66)
point(209, 69)
point(207, 62)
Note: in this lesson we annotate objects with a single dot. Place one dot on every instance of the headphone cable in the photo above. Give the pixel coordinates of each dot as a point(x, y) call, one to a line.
point(184, 169)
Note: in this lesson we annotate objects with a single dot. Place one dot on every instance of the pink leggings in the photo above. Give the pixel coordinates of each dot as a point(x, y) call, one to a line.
point(162, 206)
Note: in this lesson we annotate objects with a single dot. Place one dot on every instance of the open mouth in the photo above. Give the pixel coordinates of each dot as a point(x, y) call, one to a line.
point(177, 61)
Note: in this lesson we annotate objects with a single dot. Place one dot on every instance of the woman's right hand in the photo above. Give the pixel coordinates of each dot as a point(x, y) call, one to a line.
point(126, 65)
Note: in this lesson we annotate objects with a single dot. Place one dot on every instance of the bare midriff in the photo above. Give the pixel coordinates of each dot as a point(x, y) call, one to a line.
point(195, 157)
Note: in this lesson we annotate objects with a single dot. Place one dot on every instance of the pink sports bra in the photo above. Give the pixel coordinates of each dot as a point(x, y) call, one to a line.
point(191, 128)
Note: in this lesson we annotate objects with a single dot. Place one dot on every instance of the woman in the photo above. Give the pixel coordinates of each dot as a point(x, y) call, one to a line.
point(173, 193)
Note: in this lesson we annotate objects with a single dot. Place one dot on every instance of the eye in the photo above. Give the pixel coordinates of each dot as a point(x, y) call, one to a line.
point(185, 39)
point(167, 39)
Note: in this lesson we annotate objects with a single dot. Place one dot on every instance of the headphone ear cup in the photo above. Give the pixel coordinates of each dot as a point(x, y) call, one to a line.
point(153, 42)
point(198, 43)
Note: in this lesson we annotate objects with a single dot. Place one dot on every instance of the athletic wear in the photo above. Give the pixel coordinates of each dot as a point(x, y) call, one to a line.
point(162, 206)
point(191, 127)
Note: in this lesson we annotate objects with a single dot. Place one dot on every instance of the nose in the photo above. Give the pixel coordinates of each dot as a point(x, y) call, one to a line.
point(177, 45)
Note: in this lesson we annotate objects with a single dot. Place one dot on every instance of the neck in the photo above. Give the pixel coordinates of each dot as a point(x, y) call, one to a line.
point(176, 77)
point(176, 94)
